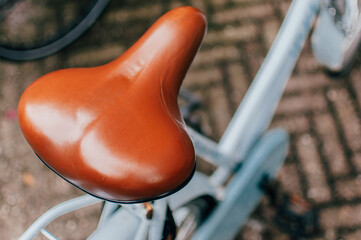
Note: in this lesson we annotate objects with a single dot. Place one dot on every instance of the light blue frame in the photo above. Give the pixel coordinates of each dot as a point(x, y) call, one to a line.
point(256, 110)
point(245, 142)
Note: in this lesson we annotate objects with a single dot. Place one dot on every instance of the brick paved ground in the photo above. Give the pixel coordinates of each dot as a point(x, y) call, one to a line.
point(323, 115)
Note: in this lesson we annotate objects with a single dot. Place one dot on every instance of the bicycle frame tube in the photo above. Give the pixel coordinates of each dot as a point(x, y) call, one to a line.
point(56, 212)
point(243, 192)
point(256, 110)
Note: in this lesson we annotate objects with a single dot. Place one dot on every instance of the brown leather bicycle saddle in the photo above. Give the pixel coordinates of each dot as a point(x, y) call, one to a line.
point(115, 131)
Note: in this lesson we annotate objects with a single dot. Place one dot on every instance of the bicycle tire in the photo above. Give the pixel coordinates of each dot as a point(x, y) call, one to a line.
point(60, 42)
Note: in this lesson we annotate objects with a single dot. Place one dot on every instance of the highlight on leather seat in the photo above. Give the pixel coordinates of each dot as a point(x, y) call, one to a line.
point(115, 131)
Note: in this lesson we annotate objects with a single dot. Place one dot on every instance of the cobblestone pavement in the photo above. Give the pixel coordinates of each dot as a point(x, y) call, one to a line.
point(322, 115)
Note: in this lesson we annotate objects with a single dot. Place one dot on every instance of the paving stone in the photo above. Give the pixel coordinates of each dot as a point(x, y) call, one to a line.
point(216, 54)
point(17, 25)
point(305, 102)
point(232, 34)
point(200, 4)
point(343, 216)
point(202, 77)
point(255, 56)
point(349, 189)
point(356, 83)
point(175, 4)
point(129, 14)
point(253, 230)
point(306, 83)
point(270, 30)
point(352, 236)
point(330, 234)
point(290, 179)
point(309, 64)
point(293, 124)
point(325, 126)
point(356, 159)
point(348, 117)
point(95, 56)
point(284, 6)
point(219, 109)
point(9, 90)
point(240, 13)
point(218, 3)
point(311, 165)
point(239, 82)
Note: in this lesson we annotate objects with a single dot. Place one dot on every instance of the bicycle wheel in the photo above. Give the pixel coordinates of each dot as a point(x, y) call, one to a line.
point(65, 21)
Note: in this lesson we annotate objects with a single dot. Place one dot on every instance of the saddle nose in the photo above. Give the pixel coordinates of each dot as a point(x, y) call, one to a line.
point(115, 131)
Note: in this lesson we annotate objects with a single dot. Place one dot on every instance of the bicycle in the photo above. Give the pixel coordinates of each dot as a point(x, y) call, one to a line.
point(256, 148)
